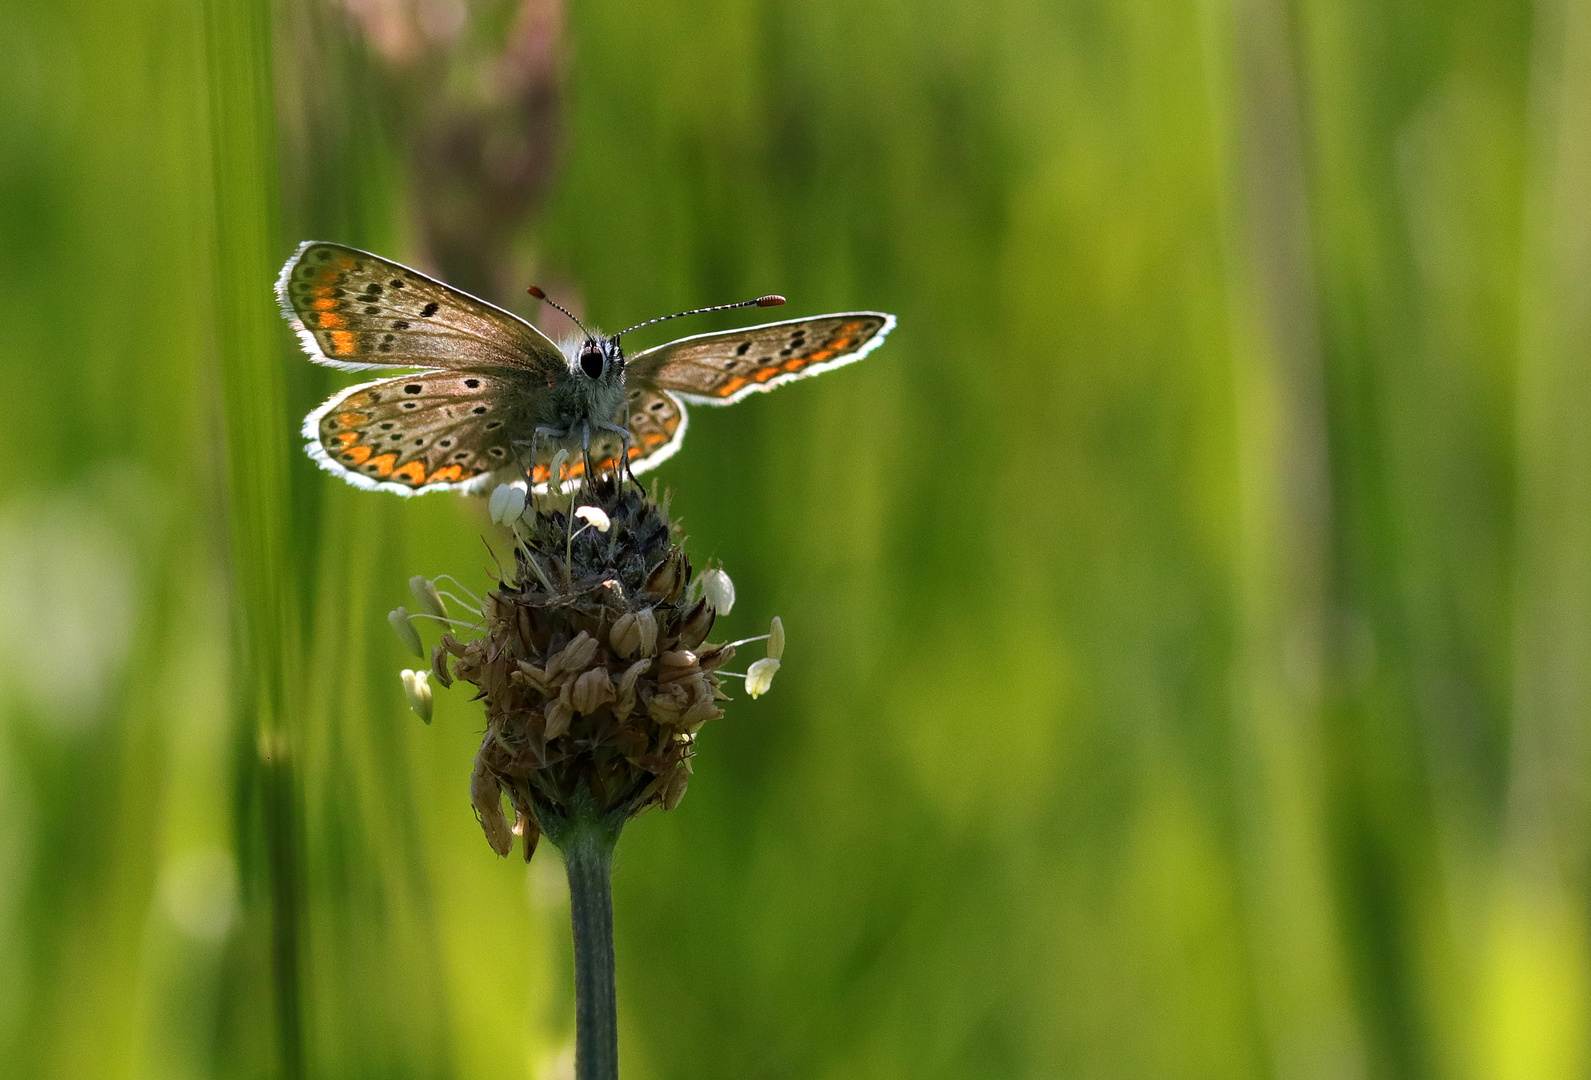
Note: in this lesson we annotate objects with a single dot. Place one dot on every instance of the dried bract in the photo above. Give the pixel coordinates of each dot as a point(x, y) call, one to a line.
point(487, 796)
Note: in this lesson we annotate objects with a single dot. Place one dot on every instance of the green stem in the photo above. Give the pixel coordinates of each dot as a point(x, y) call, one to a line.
point(588, 856)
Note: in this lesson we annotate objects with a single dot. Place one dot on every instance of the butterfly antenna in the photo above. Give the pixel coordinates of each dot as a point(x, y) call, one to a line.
point(535, 290)
point(761, 301)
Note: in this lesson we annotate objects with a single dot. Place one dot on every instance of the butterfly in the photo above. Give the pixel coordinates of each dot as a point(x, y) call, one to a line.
point(488, 398)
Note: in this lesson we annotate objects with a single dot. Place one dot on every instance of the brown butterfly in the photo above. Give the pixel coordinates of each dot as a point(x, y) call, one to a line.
point(491, 398)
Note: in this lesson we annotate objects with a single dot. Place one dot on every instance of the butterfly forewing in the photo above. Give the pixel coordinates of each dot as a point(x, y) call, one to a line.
point(422, 432)
point(355, 310)
point(721, 368)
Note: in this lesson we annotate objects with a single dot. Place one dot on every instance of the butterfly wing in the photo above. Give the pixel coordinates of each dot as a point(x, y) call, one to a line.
point(656, 421)
point(430, 431)
point(354, 310)
point(722, 368)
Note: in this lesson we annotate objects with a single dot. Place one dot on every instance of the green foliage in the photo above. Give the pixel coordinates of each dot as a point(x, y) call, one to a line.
point(1188, 605)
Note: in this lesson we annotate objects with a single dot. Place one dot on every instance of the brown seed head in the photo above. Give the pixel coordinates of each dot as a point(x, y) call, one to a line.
point(592, 670)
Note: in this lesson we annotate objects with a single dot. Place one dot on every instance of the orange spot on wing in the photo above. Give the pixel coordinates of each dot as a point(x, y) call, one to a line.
point(851, 327)
point(765, 374)
point(343, 342)
point(324, 304)
point(358, 401)
point(731, 386)
point(795, 363)
point(384, 463)
point(635, 452)
point(820, 356)
point(351, 419)
point(540, 473)
point(330, 320)
point(609, 463)
point(347, 438)
point(359, 453)
point(449, 474)
point(653, 438)
point(412, 473)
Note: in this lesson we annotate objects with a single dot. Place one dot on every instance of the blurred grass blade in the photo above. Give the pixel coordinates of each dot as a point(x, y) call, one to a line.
point(268, 689)
point(1539, 995)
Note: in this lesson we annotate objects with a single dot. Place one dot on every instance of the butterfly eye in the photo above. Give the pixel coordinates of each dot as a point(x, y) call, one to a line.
point(591, 361)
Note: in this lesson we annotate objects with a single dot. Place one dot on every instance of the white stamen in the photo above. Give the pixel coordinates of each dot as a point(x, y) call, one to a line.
point(507, 503)
point(417, 688)
point(759, 677)
point(594, 517)
point(443, 619)
point(427, 597)
point(475, 600)
point(555, 473)
point(399, 619)
point(718, 589)
point(513, 504)
point(471, 608)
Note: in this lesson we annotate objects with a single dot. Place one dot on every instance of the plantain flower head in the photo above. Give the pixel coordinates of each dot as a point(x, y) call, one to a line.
point(593, 666)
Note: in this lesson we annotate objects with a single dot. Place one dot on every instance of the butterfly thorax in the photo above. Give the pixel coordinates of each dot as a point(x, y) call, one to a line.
point(589, 392)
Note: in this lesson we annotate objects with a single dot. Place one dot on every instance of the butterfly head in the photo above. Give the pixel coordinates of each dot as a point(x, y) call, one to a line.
point(600, 357)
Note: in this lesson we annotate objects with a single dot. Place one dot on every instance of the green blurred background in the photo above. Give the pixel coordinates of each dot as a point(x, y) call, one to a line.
point(1189, 606)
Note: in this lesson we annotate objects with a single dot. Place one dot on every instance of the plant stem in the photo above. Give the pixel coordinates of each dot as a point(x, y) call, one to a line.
point(588, 856)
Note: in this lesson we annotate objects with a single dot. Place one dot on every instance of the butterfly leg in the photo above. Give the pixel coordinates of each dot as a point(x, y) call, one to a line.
point(585, 453)
point(541, 431)
point(624, 450)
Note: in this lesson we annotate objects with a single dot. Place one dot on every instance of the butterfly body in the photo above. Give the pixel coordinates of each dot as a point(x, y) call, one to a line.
point(584, 397)
point(489, 398)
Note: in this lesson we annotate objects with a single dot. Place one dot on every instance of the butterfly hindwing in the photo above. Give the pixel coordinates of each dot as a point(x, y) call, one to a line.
point(431, 431)
point(354, 310)
point(721, 368)
point(656, 421)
